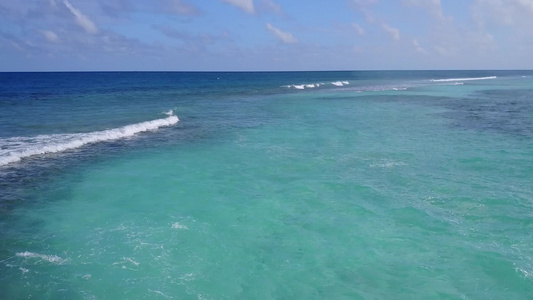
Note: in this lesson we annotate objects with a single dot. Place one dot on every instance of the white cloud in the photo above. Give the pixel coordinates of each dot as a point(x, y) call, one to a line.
point(50, 36)
point(81, 19)
point(358, 29)
point(364, 7)
point(419, 48)
point(181, 7)
point(272, 6)
point(246, 5)
point(481, 40)
point(434, 7)
point(285, 37)
point(393, 32)
point(446, 50)
point(504, 23)
point(508, 12)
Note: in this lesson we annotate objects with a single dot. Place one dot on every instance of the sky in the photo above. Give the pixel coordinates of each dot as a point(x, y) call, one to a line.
point(264, 35)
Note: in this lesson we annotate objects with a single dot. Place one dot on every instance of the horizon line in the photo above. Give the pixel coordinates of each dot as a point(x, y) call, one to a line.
point(254, 71)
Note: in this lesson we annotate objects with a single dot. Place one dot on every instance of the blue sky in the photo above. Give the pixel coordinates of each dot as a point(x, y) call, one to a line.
point(253, 35)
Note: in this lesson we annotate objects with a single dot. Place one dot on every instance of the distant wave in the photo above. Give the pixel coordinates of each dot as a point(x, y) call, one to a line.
point(381, 89)
point(16, 148)
point(463, 79)
point(388, 87)
point(340, 83)
point(315, 85)
point(303, 86)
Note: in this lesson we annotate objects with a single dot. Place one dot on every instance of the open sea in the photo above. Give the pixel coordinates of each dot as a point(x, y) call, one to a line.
point(278, 185)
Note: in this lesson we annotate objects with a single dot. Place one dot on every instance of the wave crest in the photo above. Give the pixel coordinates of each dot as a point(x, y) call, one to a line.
point(315, 85)
point(463, 79)
point(49, 258)
point(14, 149)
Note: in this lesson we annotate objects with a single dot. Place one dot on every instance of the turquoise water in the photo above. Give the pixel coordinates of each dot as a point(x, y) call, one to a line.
point(372, 185)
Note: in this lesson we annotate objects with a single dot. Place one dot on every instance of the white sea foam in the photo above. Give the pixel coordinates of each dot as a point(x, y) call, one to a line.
point(525, 273)
point(177, 225)
point(49, 258)
point(160, 293)
point(315, 85)
point(131, 261)
point(387, 164)
point(381, 88)
point(303, 86)
point(126, 260)
point(463, 79)
point(187, 277)
point(16, 148)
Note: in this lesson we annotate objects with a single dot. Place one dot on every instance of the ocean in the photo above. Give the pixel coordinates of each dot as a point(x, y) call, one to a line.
point(276, 185)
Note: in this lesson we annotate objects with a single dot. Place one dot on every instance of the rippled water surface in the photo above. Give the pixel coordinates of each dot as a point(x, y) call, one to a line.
point(307, 185)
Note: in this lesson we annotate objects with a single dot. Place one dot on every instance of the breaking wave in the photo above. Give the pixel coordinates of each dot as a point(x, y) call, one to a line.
point(16, 148)
point(463, 79)
point(49, 258)
point(315, 85)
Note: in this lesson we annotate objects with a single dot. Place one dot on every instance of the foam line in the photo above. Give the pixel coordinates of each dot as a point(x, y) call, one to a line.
point(49, 258)
point(463, 79)
point(14, 149)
